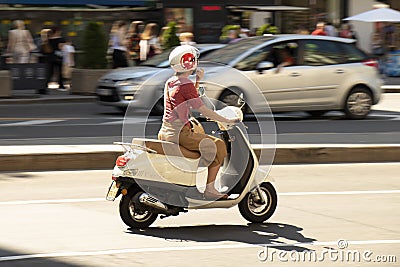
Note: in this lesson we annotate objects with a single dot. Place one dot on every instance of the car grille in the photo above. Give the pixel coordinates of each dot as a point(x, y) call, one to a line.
point(109, 98)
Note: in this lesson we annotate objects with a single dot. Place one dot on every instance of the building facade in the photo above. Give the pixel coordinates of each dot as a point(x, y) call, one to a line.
point(204, 18)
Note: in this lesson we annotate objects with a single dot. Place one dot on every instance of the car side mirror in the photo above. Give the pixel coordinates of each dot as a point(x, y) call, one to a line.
point(264, 65)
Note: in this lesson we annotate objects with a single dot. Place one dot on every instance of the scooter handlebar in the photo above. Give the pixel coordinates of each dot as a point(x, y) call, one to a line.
point(229, 112)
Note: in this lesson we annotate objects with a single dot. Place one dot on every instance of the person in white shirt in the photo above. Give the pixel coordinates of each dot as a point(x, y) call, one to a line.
point(330, 29)
point(68, 51)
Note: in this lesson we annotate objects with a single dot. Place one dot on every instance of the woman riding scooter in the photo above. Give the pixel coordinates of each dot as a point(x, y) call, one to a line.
point(179, 95)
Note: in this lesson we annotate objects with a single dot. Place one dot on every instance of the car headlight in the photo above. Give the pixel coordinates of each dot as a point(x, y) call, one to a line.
point(129, 85)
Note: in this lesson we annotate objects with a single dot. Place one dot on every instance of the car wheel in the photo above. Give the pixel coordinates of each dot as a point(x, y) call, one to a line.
point(358, 103)
point(231, 98)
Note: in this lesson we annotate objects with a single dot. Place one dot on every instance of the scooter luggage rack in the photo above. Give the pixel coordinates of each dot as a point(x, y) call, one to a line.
point(149, 150)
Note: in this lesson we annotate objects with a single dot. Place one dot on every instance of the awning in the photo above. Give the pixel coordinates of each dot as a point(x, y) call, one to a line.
point(266, 8)
point(76, 2)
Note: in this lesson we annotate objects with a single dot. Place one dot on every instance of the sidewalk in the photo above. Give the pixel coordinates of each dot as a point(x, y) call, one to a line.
point(54, 95)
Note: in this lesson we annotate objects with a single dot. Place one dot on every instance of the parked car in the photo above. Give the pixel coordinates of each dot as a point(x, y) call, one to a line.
point(321, 74)
point(119, 87)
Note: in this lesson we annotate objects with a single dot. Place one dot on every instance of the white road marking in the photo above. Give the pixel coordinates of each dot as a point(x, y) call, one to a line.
point(30, 122)
point(185, 248)
point(340, 193)
point(77, 200)
point(50, 201)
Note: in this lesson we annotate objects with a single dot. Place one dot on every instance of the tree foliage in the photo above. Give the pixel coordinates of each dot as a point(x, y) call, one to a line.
point(267, 29)
point(169, 37)
point(226, 29)
point(94, 47)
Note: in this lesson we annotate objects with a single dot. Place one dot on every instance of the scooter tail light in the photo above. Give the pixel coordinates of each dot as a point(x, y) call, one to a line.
point(122, 161)
point(371, 63)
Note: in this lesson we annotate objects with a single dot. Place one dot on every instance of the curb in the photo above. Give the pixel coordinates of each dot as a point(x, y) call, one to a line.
point(57, 158)
point(47, 100)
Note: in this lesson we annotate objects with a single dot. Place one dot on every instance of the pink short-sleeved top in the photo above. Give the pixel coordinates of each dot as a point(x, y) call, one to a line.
point(180, 97)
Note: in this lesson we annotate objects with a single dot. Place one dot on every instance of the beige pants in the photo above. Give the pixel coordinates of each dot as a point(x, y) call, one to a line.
point(212, 149)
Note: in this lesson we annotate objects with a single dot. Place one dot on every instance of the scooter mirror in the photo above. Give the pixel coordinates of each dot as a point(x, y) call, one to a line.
point(241, 101)
point(202, 90)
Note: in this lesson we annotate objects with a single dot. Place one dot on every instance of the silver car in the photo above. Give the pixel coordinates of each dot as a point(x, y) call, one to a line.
point(322, 74)
point(120, 87)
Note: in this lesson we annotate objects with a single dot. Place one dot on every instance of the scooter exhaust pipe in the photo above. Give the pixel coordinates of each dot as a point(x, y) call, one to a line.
point(151, 201)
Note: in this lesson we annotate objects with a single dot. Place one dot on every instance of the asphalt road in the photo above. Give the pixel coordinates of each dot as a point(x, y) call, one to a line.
point(89, 123)
point(62, 219)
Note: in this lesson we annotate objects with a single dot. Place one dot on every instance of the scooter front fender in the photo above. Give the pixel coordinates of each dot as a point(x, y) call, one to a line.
point(262, 175)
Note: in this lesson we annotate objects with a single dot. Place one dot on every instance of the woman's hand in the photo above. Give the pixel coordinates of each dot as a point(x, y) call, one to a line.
point(199, 74)
point(233, 121)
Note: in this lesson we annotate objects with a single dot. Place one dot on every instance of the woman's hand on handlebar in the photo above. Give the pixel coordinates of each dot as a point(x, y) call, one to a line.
point(233, 121)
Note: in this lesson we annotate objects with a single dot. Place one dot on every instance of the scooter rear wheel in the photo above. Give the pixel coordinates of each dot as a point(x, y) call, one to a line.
point(133, 217)
point(252, 208)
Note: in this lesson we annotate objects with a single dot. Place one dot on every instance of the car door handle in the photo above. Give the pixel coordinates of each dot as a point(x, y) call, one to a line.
point(294, 74)
point(339, 71)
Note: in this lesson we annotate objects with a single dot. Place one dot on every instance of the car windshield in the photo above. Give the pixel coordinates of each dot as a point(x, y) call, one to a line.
point(228, 53)
point(160, 60)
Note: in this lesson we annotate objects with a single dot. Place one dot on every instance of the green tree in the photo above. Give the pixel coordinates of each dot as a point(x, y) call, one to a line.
point(169, 37)
point(226, 29)
point(94, 47)
point(267, 29)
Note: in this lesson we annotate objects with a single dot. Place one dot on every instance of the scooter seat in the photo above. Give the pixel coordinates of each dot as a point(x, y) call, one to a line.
point(166, 148)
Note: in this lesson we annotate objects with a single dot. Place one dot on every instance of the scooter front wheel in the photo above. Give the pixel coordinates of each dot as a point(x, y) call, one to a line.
point(133, 217)
point(254, 209)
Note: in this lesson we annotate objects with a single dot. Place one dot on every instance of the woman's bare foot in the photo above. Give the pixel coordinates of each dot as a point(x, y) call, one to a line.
point(212, 193)
point(213, 196)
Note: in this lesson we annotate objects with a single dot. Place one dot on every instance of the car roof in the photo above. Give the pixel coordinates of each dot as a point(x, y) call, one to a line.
point(313, 37)
point(235, 51)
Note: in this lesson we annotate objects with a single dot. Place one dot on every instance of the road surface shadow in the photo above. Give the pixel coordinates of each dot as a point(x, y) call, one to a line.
point(26, 259)
point(252, 233)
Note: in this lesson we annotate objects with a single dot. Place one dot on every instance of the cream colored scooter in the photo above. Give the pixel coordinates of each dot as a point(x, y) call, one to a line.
point(161, 178)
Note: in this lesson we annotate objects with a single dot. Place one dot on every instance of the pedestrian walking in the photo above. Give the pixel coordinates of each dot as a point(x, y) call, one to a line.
point(320, 29)
point(68, 61)
point(330, 29)
point(133, 39)
point(20, 43)
point(118, 46)
point(149, 43)
point(56, 42)
point(186, 38)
